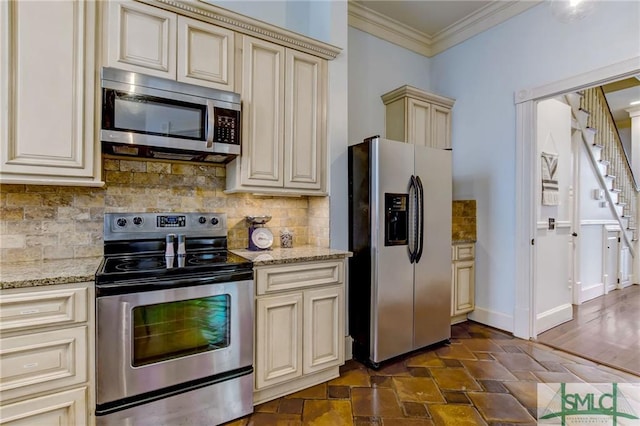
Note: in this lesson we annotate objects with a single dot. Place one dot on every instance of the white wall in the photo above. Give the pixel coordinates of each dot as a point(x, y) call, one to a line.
point(482, 74)
point(377, 67)
point(338, 123)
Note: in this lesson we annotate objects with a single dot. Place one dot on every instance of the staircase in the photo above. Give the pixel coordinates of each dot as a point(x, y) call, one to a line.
point(593, 118)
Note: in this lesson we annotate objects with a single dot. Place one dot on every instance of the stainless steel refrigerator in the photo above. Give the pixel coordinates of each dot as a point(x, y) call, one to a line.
point(400, 236)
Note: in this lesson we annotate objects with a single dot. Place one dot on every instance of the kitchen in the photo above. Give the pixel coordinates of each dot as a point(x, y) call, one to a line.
point(76, 232)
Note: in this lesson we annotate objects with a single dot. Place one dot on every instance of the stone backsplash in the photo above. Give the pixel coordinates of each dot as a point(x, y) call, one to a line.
point(59, 222)
point(463, 226)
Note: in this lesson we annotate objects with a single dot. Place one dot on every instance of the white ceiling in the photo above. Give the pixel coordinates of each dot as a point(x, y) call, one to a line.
point(619, 102)
point(429, 27)
point(429, 17)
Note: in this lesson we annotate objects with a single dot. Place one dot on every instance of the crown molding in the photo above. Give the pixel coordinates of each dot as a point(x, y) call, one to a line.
point(381, 26)
point(481, 20)
point(414, 92)
point(204, 11)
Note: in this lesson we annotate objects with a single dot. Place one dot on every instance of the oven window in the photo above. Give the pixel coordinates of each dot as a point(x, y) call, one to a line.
point(176, 329)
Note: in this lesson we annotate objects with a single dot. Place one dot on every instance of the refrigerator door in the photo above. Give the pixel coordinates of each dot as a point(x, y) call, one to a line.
point(392, 292)
point(433, 269)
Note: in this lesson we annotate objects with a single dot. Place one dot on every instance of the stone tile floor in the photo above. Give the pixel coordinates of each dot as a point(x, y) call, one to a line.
point(484, 377)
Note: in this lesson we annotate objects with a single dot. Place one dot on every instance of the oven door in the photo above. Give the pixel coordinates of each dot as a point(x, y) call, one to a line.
point(153, 340)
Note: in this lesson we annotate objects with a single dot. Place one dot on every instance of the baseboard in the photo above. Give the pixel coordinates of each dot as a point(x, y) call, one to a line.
point(457, 319)
point(556, 316)
point(494, 319)
point(348, 348)
point(591, 292)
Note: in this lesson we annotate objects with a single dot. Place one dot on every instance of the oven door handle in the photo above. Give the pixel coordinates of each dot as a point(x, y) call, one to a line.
point(190, 281)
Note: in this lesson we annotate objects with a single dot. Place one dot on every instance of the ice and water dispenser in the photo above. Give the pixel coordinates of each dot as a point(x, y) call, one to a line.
point(396, 223)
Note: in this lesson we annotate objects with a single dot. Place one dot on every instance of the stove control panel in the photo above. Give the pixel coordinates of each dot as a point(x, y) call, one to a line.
point(132, 226)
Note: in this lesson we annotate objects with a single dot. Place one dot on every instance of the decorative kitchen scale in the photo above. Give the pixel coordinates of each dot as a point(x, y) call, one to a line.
point(260, 238)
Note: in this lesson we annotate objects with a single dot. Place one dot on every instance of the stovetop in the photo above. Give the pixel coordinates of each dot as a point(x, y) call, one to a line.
point(136, 252)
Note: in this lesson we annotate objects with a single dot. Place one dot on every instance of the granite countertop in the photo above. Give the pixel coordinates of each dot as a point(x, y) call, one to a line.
point(66, 271)
point(48, 272)
point(277, 256)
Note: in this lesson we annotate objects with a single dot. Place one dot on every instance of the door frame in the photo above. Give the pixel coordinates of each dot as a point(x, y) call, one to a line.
point(525, 230)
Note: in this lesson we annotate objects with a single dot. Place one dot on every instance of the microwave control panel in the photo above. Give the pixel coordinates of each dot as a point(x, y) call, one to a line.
point(227, 126)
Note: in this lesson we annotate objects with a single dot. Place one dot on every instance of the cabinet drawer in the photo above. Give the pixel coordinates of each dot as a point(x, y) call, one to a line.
point(67, 408)
point(278, 278)
point(464, 252)
point(42, 308)
point(38, 362)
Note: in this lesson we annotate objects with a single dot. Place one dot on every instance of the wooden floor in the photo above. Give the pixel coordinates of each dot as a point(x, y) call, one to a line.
point(605, 330)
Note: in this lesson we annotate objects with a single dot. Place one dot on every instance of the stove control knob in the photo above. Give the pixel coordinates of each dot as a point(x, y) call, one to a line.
point(214, 221)
point(121, 222)
point(137, 221)
point(202, 220)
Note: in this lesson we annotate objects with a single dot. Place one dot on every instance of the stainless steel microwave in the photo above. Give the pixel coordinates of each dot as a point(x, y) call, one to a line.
point(154, 117)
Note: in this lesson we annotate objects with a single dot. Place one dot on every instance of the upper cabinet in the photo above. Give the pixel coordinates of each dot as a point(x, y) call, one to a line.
point(48, 129)
point(284, 121)
point(153, 41)
point(418, 117)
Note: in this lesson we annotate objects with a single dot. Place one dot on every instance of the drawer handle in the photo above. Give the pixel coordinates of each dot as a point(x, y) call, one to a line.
point(29, 311)
point(33, 364)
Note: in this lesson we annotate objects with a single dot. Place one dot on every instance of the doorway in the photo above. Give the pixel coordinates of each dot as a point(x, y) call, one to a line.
point(527, 299)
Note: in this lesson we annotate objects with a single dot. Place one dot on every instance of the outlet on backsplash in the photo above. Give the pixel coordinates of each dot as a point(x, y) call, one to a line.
point(463, 226)
point(59, 222)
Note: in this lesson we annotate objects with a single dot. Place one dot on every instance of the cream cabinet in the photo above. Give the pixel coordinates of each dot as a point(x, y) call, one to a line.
point(154, 41)
point(46, 355)
point(283, 121)
point(462, 281)
point(299, 326)
point(418, 117)
point(48, 132)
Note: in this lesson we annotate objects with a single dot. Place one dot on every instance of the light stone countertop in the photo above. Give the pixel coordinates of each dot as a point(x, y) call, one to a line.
point(48, 272)
point(278, 256)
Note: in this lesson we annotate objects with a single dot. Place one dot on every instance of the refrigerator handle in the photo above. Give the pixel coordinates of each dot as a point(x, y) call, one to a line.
point(414, 220)
point(420, 204)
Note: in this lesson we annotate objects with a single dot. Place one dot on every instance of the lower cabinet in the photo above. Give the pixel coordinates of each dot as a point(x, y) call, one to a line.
point(462, 282)
point(45, 355)
point(300, 330)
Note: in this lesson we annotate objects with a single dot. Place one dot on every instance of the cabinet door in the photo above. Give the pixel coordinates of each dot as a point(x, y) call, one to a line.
point(278, 339)
point(205, 54)
point(47, 92)
point(323, 328)
point(304, 120)
point(440, 127)
point(463, 287)
point(44, 361)
point(68, 408)
point(141, 38)
point(262, 112)
point(418, 122)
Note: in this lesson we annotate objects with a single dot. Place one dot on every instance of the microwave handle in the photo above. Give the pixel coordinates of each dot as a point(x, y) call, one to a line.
point(210, 123)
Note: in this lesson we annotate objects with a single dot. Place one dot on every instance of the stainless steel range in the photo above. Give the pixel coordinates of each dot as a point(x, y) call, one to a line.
point(174, 318)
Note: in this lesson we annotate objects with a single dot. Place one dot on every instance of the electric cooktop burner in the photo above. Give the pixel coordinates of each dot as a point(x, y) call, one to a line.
point(149, 263)
point(141, 252)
